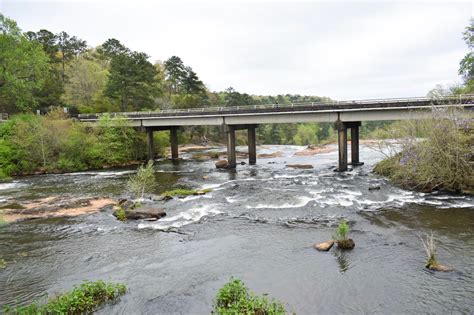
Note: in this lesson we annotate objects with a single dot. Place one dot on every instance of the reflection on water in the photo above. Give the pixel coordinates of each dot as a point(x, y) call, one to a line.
point(342, 258)
point(258, 224)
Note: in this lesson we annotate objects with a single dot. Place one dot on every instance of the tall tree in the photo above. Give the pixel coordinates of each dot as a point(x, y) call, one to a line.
point(175, 73)
point(87, 80)
point(466, 68)
point(23, 67)
point(69, 47)
point(132, 78)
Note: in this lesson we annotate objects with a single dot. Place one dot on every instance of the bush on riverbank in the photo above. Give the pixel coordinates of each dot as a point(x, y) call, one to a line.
point(85, 298)
point(434, 154)
point(53, 143)
point(234, 298)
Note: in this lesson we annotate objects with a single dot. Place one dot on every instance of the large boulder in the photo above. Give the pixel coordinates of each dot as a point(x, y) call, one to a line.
point(222, 164)
point(142, 213)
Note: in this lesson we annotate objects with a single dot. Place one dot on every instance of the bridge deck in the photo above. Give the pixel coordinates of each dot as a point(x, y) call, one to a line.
point(305, 107)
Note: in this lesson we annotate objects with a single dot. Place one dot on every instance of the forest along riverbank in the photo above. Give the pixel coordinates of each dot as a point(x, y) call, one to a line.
point(258, 224)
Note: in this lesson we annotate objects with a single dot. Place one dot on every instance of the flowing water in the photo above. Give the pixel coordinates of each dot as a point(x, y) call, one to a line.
point(258, 224)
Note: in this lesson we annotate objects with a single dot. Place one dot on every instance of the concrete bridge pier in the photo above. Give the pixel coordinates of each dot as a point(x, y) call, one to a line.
point(341, 128)
point(231, 160)
point(252, 143)
point(342, 145)
point(150, 144)
point(173, 141)
point(354, 126)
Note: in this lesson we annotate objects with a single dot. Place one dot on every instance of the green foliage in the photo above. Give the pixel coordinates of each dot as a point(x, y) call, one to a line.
point(30, 143)
point(120, 213)
point(234, 298)
point(466, 66)
point(24, 68)
point(440, 160)
point(307, 134)
point(342, 231)
point(85, 298)
point(184, 192)
point(143, 181)
point(132, 78)
point(87, 81)
point(3, 263)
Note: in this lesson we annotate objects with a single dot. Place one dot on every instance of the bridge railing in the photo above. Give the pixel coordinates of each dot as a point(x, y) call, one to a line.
point(366, 103)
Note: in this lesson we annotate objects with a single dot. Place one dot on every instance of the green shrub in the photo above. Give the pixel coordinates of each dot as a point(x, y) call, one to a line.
point(342, 231)
point(234, 298)
point(3, 263)
point(441, 160)
point(143, 181)
point(121, 216)
point(85, 298)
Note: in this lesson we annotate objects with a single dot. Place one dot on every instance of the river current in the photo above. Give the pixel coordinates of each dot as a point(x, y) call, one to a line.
point(258, 224)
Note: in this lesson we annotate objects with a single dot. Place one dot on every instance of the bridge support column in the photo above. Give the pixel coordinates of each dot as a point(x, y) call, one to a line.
point(252, 143)
point(232, 162)
point(150, 144)
point(342, 144)
point(174, 143)
point(355, 143)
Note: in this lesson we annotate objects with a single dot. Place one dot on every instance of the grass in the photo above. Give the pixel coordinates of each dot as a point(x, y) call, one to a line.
point(83, 299)
point(121, 216)
point(430, 249)
point(184, 192)
point(342, 231)
point(234, 298)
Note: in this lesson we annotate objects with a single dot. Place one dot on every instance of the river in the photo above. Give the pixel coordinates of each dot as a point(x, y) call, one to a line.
point(259, 225)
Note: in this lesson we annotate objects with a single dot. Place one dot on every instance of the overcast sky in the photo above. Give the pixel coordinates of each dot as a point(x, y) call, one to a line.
point(340, 49)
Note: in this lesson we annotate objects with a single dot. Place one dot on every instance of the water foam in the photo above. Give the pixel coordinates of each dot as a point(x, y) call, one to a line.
point(301, 202)
point(181, 219)
point(12, 185)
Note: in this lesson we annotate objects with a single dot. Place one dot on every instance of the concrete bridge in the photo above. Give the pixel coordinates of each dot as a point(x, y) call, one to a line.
point(345, 114)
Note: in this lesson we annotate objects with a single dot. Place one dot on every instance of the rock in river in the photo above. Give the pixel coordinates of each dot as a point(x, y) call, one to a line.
point(222, 164)
point(346, 244)
point(142, 213)
point(324, 246)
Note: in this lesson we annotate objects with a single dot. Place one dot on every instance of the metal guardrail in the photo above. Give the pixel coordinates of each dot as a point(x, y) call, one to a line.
point(316, 106)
